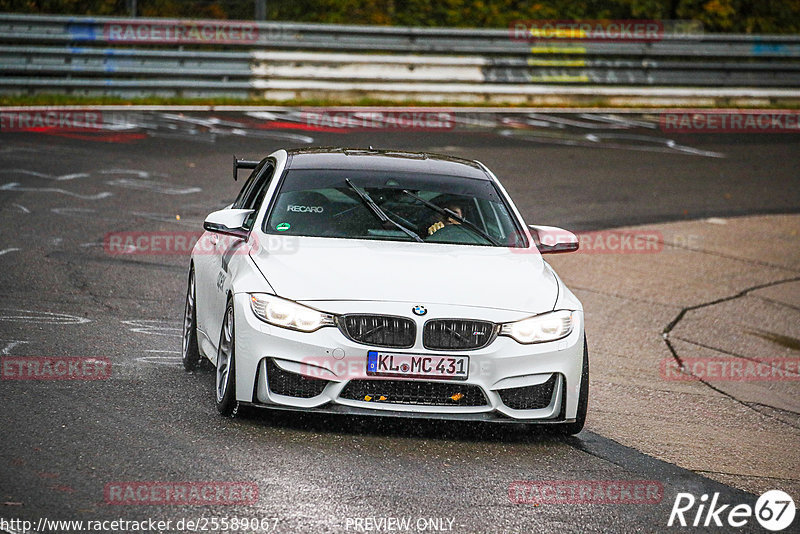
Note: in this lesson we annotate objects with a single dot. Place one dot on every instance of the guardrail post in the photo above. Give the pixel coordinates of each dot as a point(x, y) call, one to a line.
point(261, 9)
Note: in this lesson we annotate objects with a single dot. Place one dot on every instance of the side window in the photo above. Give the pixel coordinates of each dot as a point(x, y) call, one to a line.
point(247, 187)
point(305, 211)
point(498, 223)
point(254, 196)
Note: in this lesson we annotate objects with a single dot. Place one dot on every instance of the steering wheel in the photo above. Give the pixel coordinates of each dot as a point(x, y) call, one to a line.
point(455, 233)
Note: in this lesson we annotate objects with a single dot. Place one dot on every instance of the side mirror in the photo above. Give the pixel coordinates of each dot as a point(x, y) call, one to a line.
point(228, 222)
point(552, 240)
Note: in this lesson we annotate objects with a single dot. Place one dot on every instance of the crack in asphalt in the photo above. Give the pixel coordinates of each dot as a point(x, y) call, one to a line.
point(728, 352)
point(777, 302)
point(678, 318)
point(761, 408)
point(720, 300)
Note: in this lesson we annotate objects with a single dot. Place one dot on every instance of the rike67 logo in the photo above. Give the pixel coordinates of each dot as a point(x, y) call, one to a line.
point(774, 510)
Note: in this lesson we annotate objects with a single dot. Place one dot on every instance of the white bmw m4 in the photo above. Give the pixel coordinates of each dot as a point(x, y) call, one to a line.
point(376, 282)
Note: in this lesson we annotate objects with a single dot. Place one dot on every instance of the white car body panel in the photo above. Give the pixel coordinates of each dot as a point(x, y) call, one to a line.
point(341, 276)
point(436, 273)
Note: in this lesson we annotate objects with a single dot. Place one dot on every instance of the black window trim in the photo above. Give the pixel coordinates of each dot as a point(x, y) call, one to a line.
point(273, 199)
point(257, 175)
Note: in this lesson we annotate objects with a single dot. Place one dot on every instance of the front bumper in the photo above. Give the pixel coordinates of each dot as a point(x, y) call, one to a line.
point(338, 365)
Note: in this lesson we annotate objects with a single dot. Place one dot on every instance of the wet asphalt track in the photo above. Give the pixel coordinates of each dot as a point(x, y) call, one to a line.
point(63, 295)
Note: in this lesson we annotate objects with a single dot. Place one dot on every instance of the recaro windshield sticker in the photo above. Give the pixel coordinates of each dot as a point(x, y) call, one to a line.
point(305, 209)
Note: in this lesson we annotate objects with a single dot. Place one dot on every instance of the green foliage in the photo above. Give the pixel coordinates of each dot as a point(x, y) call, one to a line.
point(74, 7)
point(741, 16)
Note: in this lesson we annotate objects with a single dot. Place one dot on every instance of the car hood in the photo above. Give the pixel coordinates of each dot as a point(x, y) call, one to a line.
point(310, 269)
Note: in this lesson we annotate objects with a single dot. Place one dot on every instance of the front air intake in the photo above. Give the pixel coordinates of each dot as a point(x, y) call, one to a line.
point(282, 382)
point(529, 397)
point(415, 392)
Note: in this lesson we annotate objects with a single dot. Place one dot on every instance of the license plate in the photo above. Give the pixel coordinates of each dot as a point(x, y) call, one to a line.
point(417, 365)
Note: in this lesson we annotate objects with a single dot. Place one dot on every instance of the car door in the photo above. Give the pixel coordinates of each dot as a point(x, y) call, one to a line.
point(229, 249)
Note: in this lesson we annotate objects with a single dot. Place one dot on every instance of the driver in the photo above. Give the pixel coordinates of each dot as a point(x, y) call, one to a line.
point(444, 220)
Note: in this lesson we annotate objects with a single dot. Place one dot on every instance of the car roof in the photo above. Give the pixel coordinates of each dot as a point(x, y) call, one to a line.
point(384, 160)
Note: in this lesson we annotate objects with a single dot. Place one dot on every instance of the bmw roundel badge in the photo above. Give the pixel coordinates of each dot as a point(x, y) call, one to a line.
point(419, 310)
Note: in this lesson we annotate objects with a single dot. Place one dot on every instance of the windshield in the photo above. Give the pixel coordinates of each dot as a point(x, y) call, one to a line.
point(394, 206)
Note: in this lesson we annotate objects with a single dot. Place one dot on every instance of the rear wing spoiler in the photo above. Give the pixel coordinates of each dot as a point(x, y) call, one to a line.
point(242, 164)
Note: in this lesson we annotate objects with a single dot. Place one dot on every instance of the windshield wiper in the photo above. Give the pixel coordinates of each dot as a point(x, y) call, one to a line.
point(379, 213)
point(455, 216)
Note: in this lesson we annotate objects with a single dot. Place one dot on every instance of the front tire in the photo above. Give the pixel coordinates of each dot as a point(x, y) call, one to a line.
point(225, 389)
point(189, 350)
point(583, 399)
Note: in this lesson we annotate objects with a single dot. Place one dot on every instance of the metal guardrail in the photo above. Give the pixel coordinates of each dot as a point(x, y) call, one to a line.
point(138, 57)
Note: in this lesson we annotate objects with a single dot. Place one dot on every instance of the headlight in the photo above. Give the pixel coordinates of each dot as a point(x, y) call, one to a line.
point(546, 327)
point(288, 314)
